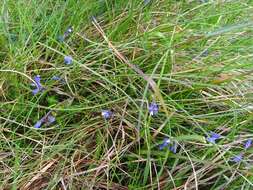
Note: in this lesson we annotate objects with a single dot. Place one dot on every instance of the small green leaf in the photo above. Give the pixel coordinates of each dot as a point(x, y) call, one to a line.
point(198, 138)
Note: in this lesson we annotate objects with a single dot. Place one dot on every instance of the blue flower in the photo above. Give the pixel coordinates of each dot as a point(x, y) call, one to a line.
point(248, 144)
point(173, 148)
point(68, 60)
point(37, 84)
point(213, 137)
point(38, 124)
point(153, 109)
point(237, 158)
point(166, 142)
point(170, 145)
point(48, 119)
point(106, 114)
point(37, 80)
point(35, 91)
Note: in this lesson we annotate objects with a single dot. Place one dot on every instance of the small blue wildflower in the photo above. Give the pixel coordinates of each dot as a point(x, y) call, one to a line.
point(68, 60)
point(37, 80)
point(48, 119)
point(37, 84)
point(237, 158)
point(106, 114)
point(38, 124)
point(153, 108)
point(166, 142)
point(35, 91)
point(173, 148)
point(213, 137)
point(248, 143)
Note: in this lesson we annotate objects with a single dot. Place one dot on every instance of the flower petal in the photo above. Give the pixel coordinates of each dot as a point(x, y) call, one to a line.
point(35, 91)
point(162, 146)
point(68, 60)
point(211, 140)
point(215, 135)
point(166, 142)
point(37, 79)
point(237, 158)
point(38, 124)
point(248, 143)
point(50, 119)
point(153, 108)
point(106, 114)
point(173, 148)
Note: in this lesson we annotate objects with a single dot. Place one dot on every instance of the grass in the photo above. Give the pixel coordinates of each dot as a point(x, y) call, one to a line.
point(193, 58)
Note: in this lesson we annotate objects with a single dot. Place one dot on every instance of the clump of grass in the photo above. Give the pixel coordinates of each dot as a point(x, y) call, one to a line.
point(157, 95)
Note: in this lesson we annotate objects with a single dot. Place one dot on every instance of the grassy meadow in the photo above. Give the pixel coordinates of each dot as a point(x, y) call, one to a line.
point(126, 94)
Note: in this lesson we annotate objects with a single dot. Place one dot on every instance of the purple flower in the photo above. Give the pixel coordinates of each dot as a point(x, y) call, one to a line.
point(248, 144)
point(48, 119)
point(68, 60)
point(213, 137)
point(37, 80)
point(237, 158)
point(106, 114)
point(38, 124)
point(153, 108)
point(166, 142)
point(35, 91)
point(173, 148)
point(37, 84)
